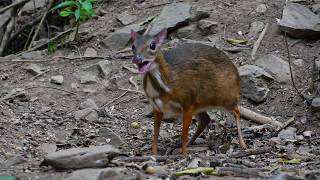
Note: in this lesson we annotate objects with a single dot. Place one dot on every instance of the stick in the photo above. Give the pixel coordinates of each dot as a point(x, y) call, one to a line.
point(7, 34)
point(40, 74)
point(257, 43)
point(40, 24)
point(249, 152)
point(258, 118)
point(131, 90)
point(152, 158)
point(24, 27)
point(131, 81)
point(241, 172)
point(16, 4)
point(49, 87)
point(114, 99)
point(44, 44)
point(135, 71)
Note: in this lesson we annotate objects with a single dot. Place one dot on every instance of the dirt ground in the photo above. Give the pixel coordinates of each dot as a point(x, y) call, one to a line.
point(46, 116)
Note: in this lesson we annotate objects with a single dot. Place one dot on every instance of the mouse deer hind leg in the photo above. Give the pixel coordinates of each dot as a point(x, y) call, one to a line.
point(236, 113)
point(203, 121)
point(187, 118)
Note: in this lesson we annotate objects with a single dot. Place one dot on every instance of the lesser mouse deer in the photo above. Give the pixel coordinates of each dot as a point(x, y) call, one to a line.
point(185, 81)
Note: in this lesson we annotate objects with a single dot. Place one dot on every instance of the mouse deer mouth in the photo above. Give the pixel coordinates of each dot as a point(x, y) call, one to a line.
point(144, 66)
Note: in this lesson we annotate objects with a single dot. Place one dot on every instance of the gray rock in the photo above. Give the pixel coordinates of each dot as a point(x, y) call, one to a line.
point(76, 158)
point(90, 52)
point(254, 89)
point(299, 22)
point(186, 31)
point(316, 8)
point(275, 65)
point(87, 78)
point(97, 174)
point(120, 38)
point(315, 105)
point(34, 69)
point(207, 27)
point(288, 134)
point(262, 8)
point(57, 79)
point(254, 72)
point(285, 176)
point(16, 94)
point(298, 62)
point(89, 103)
point(126, 18)
point(255, 28)
point(115, 139)
point(171, 17)
point(87, 114)
point(199, 14)
point(33, 55)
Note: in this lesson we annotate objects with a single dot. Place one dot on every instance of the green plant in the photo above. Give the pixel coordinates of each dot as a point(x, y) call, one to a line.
point(52, 46)
point(81, 10)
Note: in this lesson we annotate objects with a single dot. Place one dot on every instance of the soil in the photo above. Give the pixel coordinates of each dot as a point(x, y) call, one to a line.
point(47, 116)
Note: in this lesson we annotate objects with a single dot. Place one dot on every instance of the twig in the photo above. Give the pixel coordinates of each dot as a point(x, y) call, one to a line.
point(152, 158)
point(130, 69)
point(40, 74)
point(132, 165)
point(249, 152)
point(44, 44)
point(291, 75)
point(241, 172)
point(13, 5)
point(131, 90)
point(49, 87)
point(40, 24)
point(62, 57)
point(28, 39)
point(131, 81)
point(258, 42)
point(114, 99)
point(228, 4)
point(7, 33)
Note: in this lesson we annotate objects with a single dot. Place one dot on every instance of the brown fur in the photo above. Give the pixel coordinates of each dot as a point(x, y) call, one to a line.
point(205, 78)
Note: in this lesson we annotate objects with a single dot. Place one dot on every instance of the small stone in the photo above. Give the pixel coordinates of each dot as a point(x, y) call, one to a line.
point(316, 8)
point(199, 14)
point(89, 103)
point(107, 133)
point(262, 8)
point(254, 89)
point(255, 28)
point(288, 134)
point(57, 79)
point(32, 55)
point(126, 18)
point(278, 67)
point(77, 158)
point(207, 27)
point(255, 72)
point(87, 114)
point(186, 31)
point(90, 52)
point(48, 148)
point(34, 69)
point(307, 133)
point(315, 105)
point(88, 78)
point(298, 62)
point(150, 170)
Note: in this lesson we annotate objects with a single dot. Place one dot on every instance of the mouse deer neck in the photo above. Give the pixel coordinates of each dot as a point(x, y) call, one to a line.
point(159, 75)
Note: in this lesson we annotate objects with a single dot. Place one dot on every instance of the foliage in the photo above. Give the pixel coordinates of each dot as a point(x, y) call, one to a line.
point(194, 171)
point(52, 47)
point(80, 9)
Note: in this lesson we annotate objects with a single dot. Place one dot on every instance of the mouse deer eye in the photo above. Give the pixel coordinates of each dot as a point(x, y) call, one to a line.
point(133, 47)
point(153, 46)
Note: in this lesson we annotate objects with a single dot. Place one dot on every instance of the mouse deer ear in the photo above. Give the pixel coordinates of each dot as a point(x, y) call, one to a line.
point(161, 36)
point(134, 35)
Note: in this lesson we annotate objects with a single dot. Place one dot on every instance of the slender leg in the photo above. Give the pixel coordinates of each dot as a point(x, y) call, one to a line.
point(187, 118)
point(203, 121)
point(156, 129)
point(236, 112)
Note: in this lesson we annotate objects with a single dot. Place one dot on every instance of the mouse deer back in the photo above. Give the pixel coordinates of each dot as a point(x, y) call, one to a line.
point(185, 81)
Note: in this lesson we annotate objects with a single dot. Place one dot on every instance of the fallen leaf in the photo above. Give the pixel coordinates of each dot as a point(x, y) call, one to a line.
point(236, 41)
point(192, 171)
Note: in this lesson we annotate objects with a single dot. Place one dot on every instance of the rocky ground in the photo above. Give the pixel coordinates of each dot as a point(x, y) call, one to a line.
point(80, 112)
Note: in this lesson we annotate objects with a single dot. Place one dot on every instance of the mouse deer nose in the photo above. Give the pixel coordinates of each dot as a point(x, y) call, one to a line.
point(137, 58)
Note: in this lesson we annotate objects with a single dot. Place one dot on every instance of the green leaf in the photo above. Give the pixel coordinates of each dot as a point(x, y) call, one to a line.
point(66, 12)
point(292, 161)
point(236, 41)
point(63, 4)
point(77, 14)
point(86, 5)
point(205, 170)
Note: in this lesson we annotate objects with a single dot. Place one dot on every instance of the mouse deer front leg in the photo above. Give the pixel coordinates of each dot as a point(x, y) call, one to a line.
point(156, 130)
